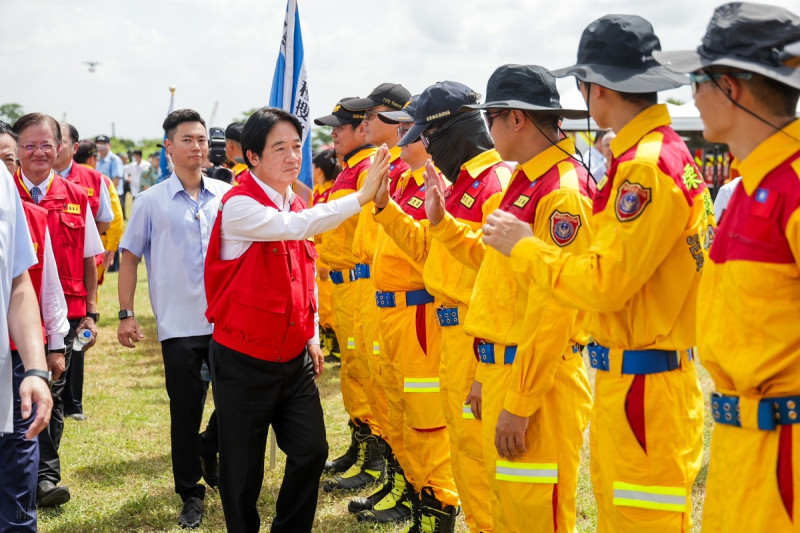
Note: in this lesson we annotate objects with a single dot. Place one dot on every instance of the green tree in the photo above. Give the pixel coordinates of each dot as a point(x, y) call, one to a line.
point(319, 137)
point(246, 114)
point(11, 112)
point(675, 101)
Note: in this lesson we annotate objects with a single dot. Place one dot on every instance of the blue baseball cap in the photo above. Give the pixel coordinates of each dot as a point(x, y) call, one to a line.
point(441, 100)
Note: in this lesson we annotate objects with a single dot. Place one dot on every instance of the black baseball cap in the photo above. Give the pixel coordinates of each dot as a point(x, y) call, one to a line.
point(102, 139)
point(616, 51)
point(528, 87)
point(441, 100)
point(86, 149)
point(341, 115)
point(391, 95)
point(404, 115)
point(234, 131)
point(758, 38)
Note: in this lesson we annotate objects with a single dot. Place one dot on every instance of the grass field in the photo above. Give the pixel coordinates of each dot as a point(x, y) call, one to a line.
point(117, 462)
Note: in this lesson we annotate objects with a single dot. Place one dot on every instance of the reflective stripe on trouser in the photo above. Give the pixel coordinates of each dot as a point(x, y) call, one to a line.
point(526, 487)
point(325, 294)
point(344, 299)
point(661, 413)
point(367, 338)
point(753, 480)
point(456, 373)
point(365, 332)
point(426, 444)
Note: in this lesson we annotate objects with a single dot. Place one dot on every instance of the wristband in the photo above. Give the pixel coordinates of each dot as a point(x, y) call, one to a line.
point(44, 374)
point(93, 316)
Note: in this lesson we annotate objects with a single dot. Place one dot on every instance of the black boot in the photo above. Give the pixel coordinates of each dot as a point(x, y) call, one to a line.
point(416, 511)
point(362, 503)
point(369, 468)
point(342, 463)
point(435, 517)
point(396, 506)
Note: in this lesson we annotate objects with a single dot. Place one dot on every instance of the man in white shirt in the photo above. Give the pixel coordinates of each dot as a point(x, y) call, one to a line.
point(170, 226)
point(135, 169)
point(724, 197)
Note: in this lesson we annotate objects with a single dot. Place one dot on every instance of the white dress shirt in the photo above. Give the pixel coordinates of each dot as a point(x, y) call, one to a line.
point(724, 197)
point(247, 221)
point(52, 301)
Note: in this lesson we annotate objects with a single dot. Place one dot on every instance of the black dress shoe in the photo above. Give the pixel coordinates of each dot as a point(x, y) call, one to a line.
point(80, 417)
point(208, 462)
point(192, 514)
point(51, 495)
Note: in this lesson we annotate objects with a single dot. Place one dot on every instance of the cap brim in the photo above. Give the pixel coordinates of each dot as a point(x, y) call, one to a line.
point(413, 134)
point(519, 104)
point(627, 80)
point(360, 104)
point(395, 117)
point(686, 61)
point(330, 120)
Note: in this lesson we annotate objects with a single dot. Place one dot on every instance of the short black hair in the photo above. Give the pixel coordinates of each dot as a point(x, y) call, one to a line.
point(33, 119)
point(257, 128)
point(86, 150)
point(545, 122)
point(6, 128)
point(777, 97)
point(73, 132)
point(179, 116)
point(137, 152)
point(328, 163)
point(640, 98)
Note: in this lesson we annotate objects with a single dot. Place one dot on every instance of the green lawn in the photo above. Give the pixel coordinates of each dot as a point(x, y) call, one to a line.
point(117, 462)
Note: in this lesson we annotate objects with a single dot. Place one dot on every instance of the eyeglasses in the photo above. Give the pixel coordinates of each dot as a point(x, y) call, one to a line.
point(401, 131)
point(369, 115)
point(426, 135)
point(696, 78)
point(31, 148)
point(490, 116)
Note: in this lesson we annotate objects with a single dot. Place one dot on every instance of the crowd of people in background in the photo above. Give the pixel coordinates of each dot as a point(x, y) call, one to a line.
point(463, 263)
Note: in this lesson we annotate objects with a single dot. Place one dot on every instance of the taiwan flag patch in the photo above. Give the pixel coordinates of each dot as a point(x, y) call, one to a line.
point(764, 203)
point(564, 227)
point(632, 198)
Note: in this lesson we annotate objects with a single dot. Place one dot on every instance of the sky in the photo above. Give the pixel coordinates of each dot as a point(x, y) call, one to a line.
point(220, 54)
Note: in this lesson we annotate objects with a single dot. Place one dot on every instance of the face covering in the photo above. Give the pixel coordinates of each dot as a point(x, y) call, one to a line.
point(457, 141)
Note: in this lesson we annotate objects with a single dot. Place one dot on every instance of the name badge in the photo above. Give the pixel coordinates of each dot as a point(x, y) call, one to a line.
point(73, 208)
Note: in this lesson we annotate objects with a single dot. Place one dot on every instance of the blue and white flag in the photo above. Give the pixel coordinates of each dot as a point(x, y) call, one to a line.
point(163, 167)
point(290, 86)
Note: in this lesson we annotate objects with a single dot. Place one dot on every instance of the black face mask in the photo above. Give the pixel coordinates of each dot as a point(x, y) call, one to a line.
point(457, 141)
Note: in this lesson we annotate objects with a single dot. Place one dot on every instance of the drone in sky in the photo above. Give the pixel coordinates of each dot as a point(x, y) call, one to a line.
point(92, 65)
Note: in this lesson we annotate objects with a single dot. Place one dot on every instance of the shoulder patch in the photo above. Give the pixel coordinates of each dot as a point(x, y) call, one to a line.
point(690, 177)
point(564, 227)
point(632, 199)
point(73, 208)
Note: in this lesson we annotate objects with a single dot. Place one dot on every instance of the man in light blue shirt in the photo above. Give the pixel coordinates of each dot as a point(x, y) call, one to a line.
point(110, 164)
point(170, 226)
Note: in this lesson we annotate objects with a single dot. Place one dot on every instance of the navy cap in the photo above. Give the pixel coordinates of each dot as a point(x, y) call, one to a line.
point(440, 101)
point(234, 131)
point(102, 139)
point(404, 115)
point(341, 115)
point(391, 95)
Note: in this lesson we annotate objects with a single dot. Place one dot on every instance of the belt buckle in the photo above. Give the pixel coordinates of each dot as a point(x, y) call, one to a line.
point(725, 409)
point(385, 299)
point(448, 316)
point(486, 352)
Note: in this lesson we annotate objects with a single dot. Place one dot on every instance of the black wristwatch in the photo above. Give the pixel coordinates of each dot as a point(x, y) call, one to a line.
point(125, 313)
point(44, 374)
point(93, 316)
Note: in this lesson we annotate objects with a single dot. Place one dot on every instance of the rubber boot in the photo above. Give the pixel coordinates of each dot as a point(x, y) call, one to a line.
point(396, 506)
point(435, 517)
point(369, 468)
point(416, 511)
point(344, 462)
point(363, 503)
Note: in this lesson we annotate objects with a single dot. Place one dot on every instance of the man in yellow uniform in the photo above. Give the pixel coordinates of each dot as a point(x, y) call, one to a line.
point(746, 85)
point(233, 150)
point(461, 147)
point(536, 396)
point(638, 283)
point(365, 454)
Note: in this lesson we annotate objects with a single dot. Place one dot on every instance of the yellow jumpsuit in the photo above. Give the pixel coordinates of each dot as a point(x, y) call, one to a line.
point(749, 340)
point(638, 283)
point(337, 252)
point(324, 286)
point(547, 382)
point(113, 234)
point(450, 282)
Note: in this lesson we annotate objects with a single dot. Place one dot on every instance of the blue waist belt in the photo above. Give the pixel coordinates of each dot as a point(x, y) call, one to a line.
point(637, 361)
point(337, 276)
point(389, 299)
point(447, 316)
point(362, 271)
point(486, 353)
point(772, 412)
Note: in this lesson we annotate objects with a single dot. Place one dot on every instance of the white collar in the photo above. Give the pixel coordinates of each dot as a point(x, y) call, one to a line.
point(276, 197)
point(43, 186)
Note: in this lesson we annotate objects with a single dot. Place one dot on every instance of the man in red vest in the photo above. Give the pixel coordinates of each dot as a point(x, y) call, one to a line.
point(265, 352)
point(71, 224)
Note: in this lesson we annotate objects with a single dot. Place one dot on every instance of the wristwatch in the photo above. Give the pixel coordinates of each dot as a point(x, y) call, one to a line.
point(44, 374)
point(93, 316)
point(125, 313)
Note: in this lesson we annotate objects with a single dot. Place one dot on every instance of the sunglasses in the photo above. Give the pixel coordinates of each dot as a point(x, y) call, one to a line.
point(696, 78)
point(426, 135)
point(490, 116)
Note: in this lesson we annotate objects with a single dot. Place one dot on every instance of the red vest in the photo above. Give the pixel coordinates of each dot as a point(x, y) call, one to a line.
point(262, 303)
point(66, 206)
point(37, 226)
point(89, 179)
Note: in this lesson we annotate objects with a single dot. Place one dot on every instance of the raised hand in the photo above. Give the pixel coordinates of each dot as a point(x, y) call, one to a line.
point(376, 174)
point(434, 196)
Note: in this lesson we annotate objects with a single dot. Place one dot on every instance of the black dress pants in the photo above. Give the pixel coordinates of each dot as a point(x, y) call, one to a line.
point(249, 395)
point(183, 357)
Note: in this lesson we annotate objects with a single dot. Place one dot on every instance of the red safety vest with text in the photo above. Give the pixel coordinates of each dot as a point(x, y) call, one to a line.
point(37, 226)
point(91, 180)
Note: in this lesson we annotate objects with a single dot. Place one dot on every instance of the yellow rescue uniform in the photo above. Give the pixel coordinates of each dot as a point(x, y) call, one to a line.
point(337, 252)
point(749, 340)
point(450, 282)
point(546, 381)
point(113, 234)
point(324, 286)
point(638, 283)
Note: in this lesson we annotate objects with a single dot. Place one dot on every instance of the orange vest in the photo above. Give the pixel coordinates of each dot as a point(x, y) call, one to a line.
point(262, 303)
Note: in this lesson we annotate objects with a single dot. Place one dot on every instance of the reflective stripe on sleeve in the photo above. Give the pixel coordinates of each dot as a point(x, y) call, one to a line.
point(466, 411)
point(526, 472)
point(351, 343)
point(421, 385)
point(376, 348)
point(650, 497)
